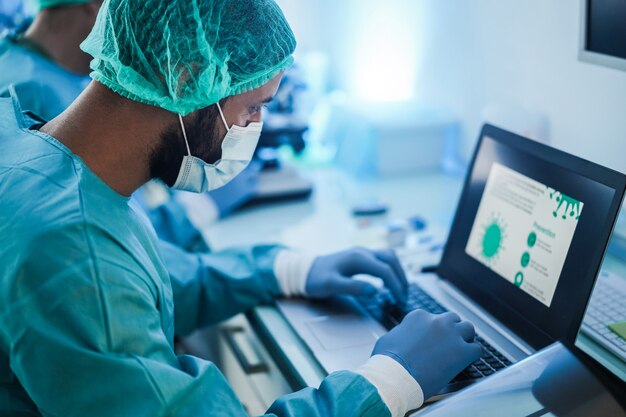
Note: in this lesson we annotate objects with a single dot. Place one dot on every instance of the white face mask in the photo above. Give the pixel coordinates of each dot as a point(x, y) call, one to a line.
point(237, 149)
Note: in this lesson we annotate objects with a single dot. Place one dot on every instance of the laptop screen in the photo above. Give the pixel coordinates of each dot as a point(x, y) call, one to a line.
point(529, 234)
point(523, 231)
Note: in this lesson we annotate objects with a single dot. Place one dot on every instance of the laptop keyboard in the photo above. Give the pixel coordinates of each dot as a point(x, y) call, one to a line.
point(383, 309)
point(606, 306)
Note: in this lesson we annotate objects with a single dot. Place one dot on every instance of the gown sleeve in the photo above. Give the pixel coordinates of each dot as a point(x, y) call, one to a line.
point(92, 336)
point(211, 287)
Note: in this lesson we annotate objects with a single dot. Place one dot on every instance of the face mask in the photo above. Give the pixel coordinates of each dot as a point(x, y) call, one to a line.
point(237, 149)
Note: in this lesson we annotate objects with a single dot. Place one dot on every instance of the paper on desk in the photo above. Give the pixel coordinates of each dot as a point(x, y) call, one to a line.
point(619, 329)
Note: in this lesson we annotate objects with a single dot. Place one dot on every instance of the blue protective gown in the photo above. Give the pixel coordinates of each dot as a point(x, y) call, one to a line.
point(88, 311)
point(44, 87)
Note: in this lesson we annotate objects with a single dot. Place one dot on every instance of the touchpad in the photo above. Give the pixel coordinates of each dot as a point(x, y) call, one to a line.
point(341, 332)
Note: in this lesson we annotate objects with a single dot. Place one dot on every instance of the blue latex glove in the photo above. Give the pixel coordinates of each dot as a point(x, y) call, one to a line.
point(331, 275)
point(433, 348)
point(238, 191)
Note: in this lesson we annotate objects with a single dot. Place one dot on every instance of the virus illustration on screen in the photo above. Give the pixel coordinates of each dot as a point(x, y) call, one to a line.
point(492, 239)
point(566, 205)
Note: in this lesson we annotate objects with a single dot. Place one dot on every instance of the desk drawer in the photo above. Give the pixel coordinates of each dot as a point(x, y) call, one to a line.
point(235, 349)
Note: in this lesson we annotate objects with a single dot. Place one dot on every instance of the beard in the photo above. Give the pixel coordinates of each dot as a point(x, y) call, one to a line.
point(204, 143)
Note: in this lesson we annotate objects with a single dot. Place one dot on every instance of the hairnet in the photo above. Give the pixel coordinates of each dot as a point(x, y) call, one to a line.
point(184, 55)
point(44, 4)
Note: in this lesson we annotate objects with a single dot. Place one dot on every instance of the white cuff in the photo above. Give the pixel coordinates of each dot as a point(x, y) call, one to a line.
point(396, 387)
point(291, 270)
point(201, 209)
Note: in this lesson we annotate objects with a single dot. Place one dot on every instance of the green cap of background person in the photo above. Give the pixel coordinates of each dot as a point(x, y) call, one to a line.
point(46, 4)
point(185, 55)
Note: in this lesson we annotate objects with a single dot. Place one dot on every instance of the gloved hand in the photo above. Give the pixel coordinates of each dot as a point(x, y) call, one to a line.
point(238, 191)
point(433, 348)
point(331, 275)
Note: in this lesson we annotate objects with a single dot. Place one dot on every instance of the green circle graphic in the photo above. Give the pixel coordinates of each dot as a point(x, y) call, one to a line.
point(519, 278)
point(492, 240)
point(532, 239)
point(525, 259)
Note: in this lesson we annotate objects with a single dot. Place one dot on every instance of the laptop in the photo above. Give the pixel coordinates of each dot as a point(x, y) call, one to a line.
point(602, 334)
point(605, 319)
point(524, 249)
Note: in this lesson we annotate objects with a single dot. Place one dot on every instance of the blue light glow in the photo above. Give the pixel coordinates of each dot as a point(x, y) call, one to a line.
point(385, 41)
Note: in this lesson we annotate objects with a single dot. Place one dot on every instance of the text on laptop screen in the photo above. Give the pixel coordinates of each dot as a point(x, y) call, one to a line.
point(523, 230)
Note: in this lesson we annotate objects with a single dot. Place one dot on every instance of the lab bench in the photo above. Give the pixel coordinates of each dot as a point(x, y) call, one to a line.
point(258, 352)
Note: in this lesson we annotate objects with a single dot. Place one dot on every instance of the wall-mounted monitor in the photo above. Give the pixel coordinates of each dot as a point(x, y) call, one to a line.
point(603, 32)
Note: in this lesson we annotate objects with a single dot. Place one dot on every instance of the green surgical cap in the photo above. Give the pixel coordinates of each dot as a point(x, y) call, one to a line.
point(184, 55)
point(44, 4)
